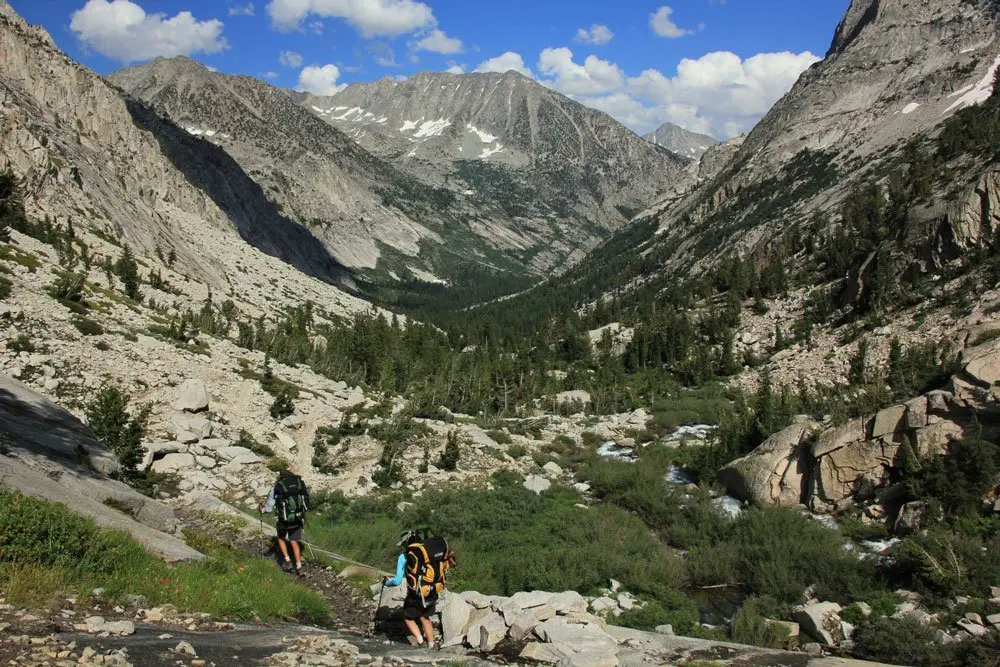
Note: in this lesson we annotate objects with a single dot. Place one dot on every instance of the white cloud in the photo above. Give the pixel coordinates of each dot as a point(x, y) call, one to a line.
point(269, 75)
point(664, 26)
point(718, 94)
point(123, 31)
point(372, 18)
point(504, 63)
point(598, 35)
point(242, 10)
point(437, 41)
point(320, 80)
point(594, 77)
point(290, 59)
point(455, 68)
point(316, 27)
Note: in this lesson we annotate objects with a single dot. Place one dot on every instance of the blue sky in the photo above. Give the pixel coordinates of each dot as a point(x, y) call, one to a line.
point(713, 66)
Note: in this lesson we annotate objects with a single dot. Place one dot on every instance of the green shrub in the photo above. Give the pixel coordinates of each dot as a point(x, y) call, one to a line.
point(751, 625)
point(87, 326)
point(905, 641)
point(6, 288)
point(249, 442)
point(779, 553)
point(22, 343)
point(282, 406)
point(499, 437)
point(517, 451)
point(677, 610)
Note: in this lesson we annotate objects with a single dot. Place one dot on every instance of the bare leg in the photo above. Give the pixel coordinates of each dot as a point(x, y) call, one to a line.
point(297, 554)
point(284, 548)
point(428, 630)
point(412, 627)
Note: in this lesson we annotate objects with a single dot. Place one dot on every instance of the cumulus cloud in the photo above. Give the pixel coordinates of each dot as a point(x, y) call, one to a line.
point(718, 94)
point(593, 77)
point(456, 69)
point(504, 63)
point(437, 41)
point(598, 35)
point(242, 10)
point(123, 31)
point(320, 80)
point(371, 18)
point(664, 26)
point(290, 59)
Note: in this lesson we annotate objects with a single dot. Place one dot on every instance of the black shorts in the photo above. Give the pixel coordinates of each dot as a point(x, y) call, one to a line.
point(414, 607)
point(292, 533)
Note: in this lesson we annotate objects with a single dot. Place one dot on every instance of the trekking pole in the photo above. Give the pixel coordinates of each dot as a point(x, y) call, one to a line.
point(261, 517)
point(371, 626)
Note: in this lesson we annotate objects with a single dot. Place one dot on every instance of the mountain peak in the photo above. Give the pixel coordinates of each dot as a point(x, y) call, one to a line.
point(681, 142)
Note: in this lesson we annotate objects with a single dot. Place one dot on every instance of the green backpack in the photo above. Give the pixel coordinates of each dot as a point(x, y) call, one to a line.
point(290, 500)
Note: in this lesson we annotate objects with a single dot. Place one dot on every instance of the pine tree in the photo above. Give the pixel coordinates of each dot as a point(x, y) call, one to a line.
point(108, 418)
point(127, 270)
point(452, 453)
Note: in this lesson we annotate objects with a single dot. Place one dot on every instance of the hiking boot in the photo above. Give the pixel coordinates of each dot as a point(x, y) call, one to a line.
point(298, 571)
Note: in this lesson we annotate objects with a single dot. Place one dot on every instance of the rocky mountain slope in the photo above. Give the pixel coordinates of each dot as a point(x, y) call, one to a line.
point(680, 141)
point(90, 156)
point(505, 135)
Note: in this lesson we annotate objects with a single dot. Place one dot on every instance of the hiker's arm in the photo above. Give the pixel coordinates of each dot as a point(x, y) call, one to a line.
point(268, 506)
point(400, 567)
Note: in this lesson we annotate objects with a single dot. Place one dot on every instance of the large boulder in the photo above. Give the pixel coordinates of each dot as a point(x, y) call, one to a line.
point(982, 363)
point(579, 635)
point(573, 397)
point(772, 474)
point(189, 429)
point(173, 463)
point(537, 483)
point(549, 654)
point(889, 421)
point(568, 602)
point(589, 659)
point(45, 428)
point(455, 614)
point(821, 621)
point(192, 396)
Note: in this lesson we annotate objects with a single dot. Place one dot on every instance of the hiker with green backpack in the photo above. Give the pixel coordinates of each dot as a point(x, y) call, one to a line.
point(289, 499)
point(422, 565)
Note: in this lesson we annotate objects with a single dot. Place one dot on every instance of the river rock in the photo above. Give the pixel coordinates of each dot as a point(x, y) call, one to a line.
point(192, 396)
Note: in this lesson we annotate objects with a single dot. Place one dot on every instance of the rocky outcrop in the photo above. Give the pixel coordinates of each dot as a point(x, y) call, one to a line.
point(855, 460)
point(50, 454)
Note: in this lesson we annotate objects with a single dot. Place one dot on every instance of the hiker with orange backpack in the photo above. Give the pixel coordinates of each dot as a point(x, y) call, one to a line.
point(422, 565)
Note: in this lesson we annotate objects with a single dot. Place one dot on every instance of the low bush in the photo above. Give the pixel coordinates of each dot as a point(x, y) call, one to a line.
point(499, 437)
point(517, 451)
point(87, 326)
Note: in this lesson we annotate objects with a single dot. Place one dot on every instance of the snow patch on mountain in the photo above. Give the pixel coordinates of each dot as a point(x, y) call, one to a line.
point(977, 93)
